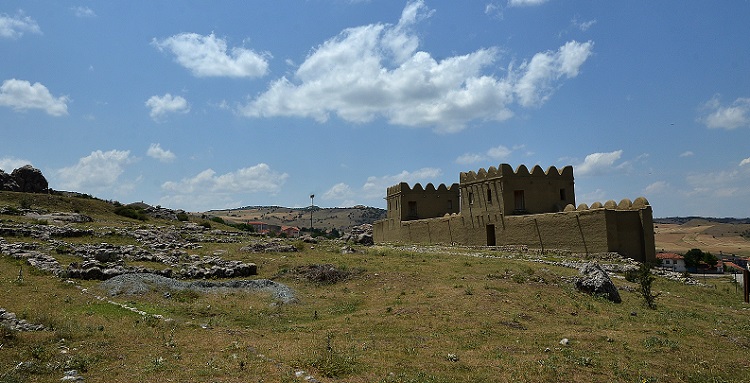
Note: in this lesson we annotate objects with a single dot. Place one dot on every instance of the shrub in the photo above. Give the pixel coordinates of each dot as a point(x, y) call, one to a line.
point(644, 278)
point(131, 212)
point(182, 217)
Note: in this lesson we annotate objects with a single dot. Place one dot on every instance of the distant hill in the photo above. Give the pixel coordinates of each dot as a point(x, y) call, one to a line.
point(683, 220)
point(322, 218)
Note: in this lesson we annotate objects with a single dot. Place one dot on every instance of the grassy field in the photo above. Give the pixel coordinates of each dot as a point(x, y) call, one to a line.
point(404, 314)
point(717, 238)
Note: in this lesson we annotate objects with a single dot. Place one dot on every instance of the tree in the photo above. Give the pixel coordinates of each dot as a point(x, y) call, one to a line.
point(710, 259)
point(692, 258)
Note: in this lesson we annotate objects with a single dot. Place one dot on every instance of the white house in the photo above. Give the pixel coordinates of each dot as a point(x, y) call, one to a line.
point(672, 262)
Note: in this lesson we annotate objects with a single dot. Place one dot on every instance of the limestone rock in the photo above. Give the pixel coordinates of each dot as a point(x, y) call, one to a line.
point(7, 182)
point(594, 280)
point(30, 179)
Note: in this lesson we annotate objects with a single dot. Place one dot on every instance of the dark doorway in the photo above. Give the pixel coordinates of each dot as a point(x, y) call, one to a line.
point(491, 235)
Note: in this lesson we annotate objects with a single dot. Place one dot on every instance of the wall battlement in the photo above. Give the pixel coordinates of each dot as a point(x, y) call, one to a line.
point(505, 170)
point(404, 188)
point(625, 204)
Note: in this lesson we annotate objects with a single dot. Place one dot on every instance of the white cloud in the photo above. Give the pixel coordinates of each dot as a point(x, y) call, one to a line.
point(687, 154)
point(656, 187)
point(13, 27)
point(155, 151)
point(258, 178)
point(494, 10)
point(83, 12)
point(727, 117)
point(523, 3)
point(583, 25)
point(208, 56)
point(598, 163)
point(160, 106)
point(470, 158)
point(744, 162)
point(376, 186)
point(97, 171)
point(22, 95)
point(537, 83)
point(497, 153)
point(720, 184)
point(9, 164)
point(376, 71)
point(340, 191)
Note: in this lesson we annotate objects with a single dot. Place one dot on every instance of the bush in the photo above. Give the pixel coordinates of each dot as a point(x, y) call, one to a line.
point(182, 217)
point(131, 212)
point(644, 278)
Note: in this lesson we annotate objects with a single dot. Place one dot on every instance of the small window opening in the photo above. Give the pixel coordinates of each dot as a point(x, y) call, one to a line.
point(562, 195)
point(489, 196)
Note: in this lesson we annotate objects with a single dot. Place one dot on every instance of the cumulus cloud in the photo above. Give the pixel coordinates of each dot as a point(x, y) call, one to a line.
point(523, 3)
point(209, 56)
point(720, 184)
point(9, 164)
point(254, 179)
point(340, 191)
point(13, 27)
point(97, 171)
point(497, 153)
point(155, 151)
point(374, 187)
point(582, 25)
point(376, 71)
point(22, 95)
point(537, 82)
point(83, 12)
point(744, 162)
point(160, 106)
point(730, 117)
point(656, 187)
point(598, 163)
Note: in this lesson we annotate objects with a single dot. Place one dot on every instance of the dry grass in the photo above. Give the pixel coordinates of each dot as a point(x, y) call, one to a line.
point(714, 237)
point(427, 315)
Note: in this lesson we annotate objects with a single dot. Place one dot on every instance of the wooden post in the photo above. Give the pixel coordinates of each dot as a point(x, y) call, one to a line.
point(746, 285)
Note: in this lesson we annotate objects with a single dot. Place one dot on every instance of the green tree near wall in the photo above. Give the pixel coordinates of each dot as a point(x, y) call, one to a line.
point(695, 256)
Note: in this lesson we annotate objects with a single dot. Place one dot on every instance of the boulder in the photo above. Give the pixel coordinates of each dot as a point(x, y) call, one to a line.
point(594, 280)
point(7, 183)
point(30, 179)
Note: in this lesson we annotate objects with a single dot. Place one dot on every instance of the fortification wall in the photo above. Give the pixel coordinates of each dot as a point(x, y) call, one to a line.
point(407, 203)
point(626, 228)
point(542, 191)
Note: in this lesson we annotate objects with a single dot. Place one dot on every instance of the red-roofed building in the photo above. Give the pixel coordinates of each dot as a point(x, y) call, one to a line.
point(290, 231)
point(672, 262)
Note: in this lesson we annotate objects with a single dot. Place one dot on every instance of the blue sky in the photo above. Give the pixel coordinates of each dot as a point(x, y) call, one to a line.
point(209, 105)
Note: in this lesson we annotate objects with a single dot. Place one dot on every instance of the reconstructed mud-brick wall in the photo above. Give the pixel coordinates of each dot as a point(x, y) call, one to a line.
point(626, 228)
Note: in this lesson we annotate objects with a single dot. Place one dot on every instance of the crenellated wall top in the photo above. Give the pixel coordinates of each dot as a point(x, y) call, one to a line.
point(505, 170)
point(403, 187)
point(625, 204)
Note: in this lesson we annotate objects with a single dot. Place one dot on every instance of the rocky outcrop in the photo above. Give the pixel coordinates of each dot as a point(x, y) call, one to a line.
point(9, 320)
point(27, 179)
point(7, 183)
point(361, 235)
point(594, 280)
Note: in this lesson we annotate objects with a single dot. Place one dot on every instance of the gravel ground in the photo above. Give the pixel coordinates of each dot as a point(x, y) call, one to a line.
point(141, 283)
